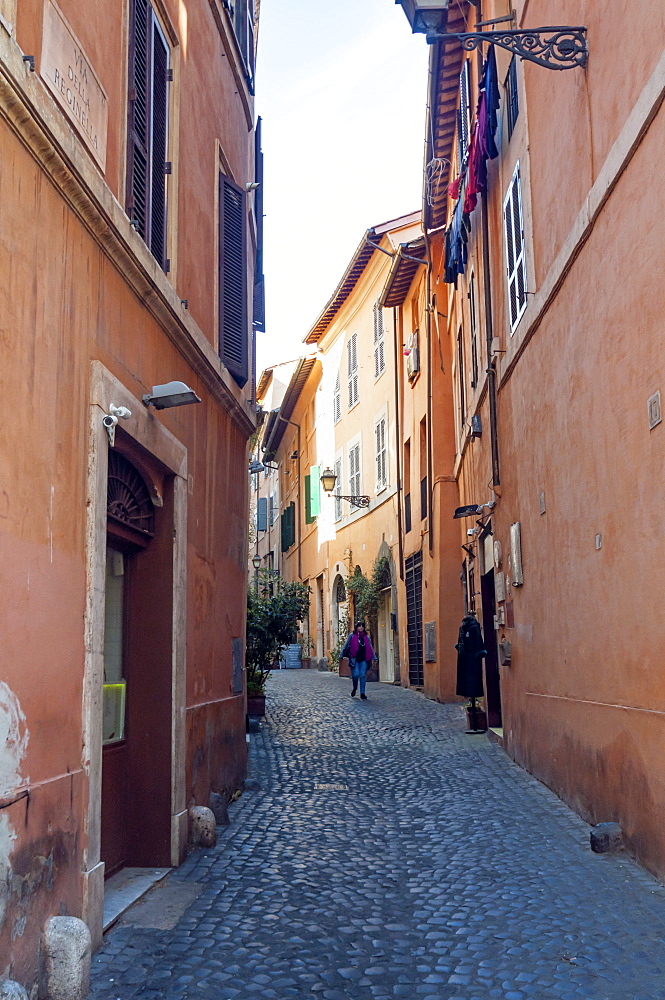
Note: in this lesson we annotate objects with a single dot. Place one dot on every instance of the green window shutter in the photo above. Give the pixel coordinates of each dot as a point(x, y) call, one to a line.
point(308, 500)
point(284, 520)
point(292, 525)
point(315, 491)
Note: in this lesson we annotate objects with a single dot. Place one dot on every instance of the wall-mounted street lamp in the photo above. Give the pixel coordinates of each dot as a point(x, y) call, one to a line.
point(256, 562)
point(170, 394)
point(328, 480)
point(554, 47)
point(256, 467)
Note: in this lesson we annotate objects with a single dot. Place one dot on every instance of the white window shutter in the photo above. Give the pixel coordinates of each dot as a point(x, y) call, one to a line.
point(337, 401)
point(338, 503)
point(513, 226)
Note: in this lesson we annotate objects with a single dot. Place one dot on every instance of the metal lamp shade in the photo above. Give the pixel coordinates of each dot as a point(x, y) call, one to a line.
point(425, 15)
point(328, 480)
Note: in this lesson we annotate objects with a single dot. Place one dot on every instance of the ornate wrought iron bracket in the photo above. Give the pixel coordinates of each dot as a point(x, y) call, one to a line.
point(356, 501)
point(557, 47)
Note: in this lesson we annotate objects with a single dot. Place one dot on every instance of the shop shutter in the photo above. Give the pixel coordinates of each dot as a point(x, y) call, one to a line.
point(233, 339)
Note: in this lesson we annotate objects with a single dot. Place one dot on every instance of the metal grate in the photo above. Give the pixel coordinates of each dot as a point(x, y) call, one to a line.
point(414, 618)
point(128, 500)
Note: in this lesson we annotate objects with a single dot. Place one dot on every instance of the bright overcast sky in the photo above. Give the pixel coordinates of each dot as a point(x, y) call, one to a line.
point(342, 89)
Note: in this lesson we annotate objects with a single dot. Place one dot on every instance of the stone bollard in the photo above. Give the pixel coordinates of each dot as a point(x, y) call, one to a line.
point(606, 838)
point(9, 990)
point(202, 827)
point(67, 952)
point(218, 807)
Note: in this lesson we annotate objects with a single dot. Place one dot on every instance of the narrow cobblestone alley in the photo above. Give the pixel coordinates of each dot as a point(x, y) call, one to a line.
point(387, 854)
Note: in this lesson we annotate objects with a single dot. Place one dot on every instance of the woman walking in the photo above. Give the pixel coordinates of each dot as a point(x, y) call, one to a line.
point(359, 650)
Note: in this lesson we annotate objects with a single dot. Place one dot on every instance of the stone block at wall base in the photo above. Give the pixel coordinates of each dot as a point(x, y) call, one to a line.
point(67, 948)
point(9, 990)
point(202, 827)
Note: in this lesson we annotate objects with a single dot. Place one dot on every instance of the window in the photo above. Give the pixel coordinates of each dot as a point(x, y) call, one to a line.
point(352, 369)
point(512, 100)
point(243, 26)
point(407, 485)
point(464, 113)
point(312, 494)
point(379, 348)
point(147, 128)
point(474, 330)
point(460, 378)
point(233, 339)
point(272, 508)
point(337, 401)
point(338, 502)
point(413, 357)
point(262, 513)
point(354, 470)
point(407, 513)
point(513, 228)
point(423, 468)
point(288, 527)
point(381, 454)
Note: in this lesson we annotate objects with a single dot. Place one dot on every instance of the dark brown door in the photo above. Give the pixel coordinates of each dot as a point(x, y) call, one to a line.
point(492, 679)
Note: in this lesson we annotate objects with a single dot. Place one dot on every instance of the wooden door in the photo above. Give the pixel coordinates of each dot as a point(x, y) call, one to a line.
point(114, 735)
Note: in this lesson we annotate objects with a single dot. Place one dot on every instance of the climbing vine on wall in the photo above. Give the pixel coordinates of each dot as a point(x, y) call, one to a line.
point(367, 591)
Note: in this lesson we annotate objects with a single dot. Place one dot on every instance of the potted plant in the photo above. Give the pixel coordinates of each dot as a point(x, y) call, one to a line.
point(273, 613)
point(476, 717)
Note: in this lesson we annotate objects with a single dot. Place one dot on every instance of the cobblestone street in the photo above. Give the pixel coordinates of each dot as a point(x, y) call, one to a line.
point(387, 854)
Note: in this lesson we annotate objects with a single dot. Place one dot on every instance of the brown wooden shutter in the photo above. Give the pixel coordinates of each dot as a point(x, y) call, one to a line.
point(233, 340)
point(160, 67)
point(138, 132)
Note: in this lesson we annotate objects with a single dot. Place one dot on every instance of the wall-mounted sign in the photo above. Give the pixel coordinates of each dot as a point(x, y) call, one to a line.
point(67, 72)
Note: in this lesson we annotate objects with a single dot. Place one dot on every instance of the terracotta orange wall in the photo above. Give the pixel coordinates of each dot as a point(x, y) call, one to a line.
point(63, 303)
point(585, 689)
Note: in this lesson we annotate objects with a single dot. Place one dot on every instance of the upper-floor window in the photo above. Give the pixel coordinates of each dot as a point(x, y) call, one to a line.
point(354, 469)
point(512, 99)
point(233, 322)
point(352, 369)
point(242, 16)
point(381, 453)
point(337, 400)
point(474, 330)
point(147, 128)
point(379, 337)
point(338, 502)
point(513, 228)
point(464, 113)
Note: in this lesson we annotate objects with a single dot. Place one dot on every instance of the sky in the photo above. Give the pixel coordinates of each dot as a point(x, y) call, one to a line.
point(341, 87)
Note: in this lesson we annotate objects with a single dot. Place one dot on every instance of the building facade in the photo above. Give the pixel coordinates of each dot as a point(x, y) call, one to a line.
point(537, 182)
point(128, 259)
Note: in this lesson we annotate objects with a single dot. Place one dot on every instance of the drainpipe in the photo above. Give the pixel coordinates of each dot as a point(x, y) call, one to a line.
point(297, 427)
point(398, 449)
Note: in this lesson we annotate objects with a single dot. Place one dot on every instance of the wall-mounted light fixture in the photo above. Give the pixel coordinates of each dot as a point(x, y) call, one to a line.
point(473, 509)
point(256, 467)
point(555, 47)
point(328, 480)
point(256, 562)
point(110, 420)
point(170, 394)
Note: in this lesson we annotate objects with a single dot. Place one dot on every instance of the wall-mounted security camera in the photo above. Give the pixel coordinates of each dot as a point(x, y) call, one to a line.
point(110, 420)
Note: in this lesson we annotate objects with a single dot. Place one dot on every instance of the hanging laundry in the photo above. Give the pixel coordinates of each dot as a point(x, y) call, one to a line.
point(455, 244)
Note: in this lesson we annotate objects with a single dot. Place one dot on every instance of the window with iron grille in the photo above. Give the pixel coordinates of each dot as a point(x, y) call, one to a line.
point(512, 99)
point(352, 369)
point(379, 345)
point(337, 400)
point(464, 113)
point(147, 128)
point(513, 229)
point(381, 454)
point(233, 322)
point(474, 330)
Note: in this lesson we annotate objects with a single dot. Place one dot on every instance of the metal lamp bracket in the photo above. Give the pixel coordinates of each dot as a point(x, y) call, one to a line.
point(557, 47)
point(356, 501)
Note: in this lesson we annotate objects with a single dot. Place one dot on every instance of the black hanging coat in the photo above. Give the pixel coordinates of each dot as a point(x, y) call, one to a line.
point(470, 652)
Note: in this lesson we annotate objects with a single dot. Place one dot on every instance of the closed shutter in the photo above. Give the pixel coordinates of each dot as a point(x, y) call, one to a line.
point(315, 491)
point(407, 512)
point(464, 114)
point(354, 470)
point(338, 502)
point(259, 283)
point(284, 531)
point(379, 350)
point(271, 509)
point(474, 332)
point(308, 500)
point(262, 514)
point(147, 130)
point(233, 340)
point(352, 369)
point(381, 453)
point(513, 227)
point(292, 524)
point(337, 401)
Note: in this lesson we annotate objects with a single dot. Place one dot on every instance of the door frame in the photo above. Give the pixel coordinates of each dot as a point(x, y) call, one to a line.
point(148, 433)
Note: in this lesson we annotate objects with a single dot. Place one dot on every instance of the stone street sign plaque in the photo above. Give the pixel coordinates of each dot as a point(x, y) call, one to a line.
point(67, 72)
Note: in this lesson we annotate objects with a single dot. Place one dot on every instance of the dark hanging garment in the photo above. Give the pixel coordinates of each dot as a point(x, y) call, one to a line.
point(470, 652)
